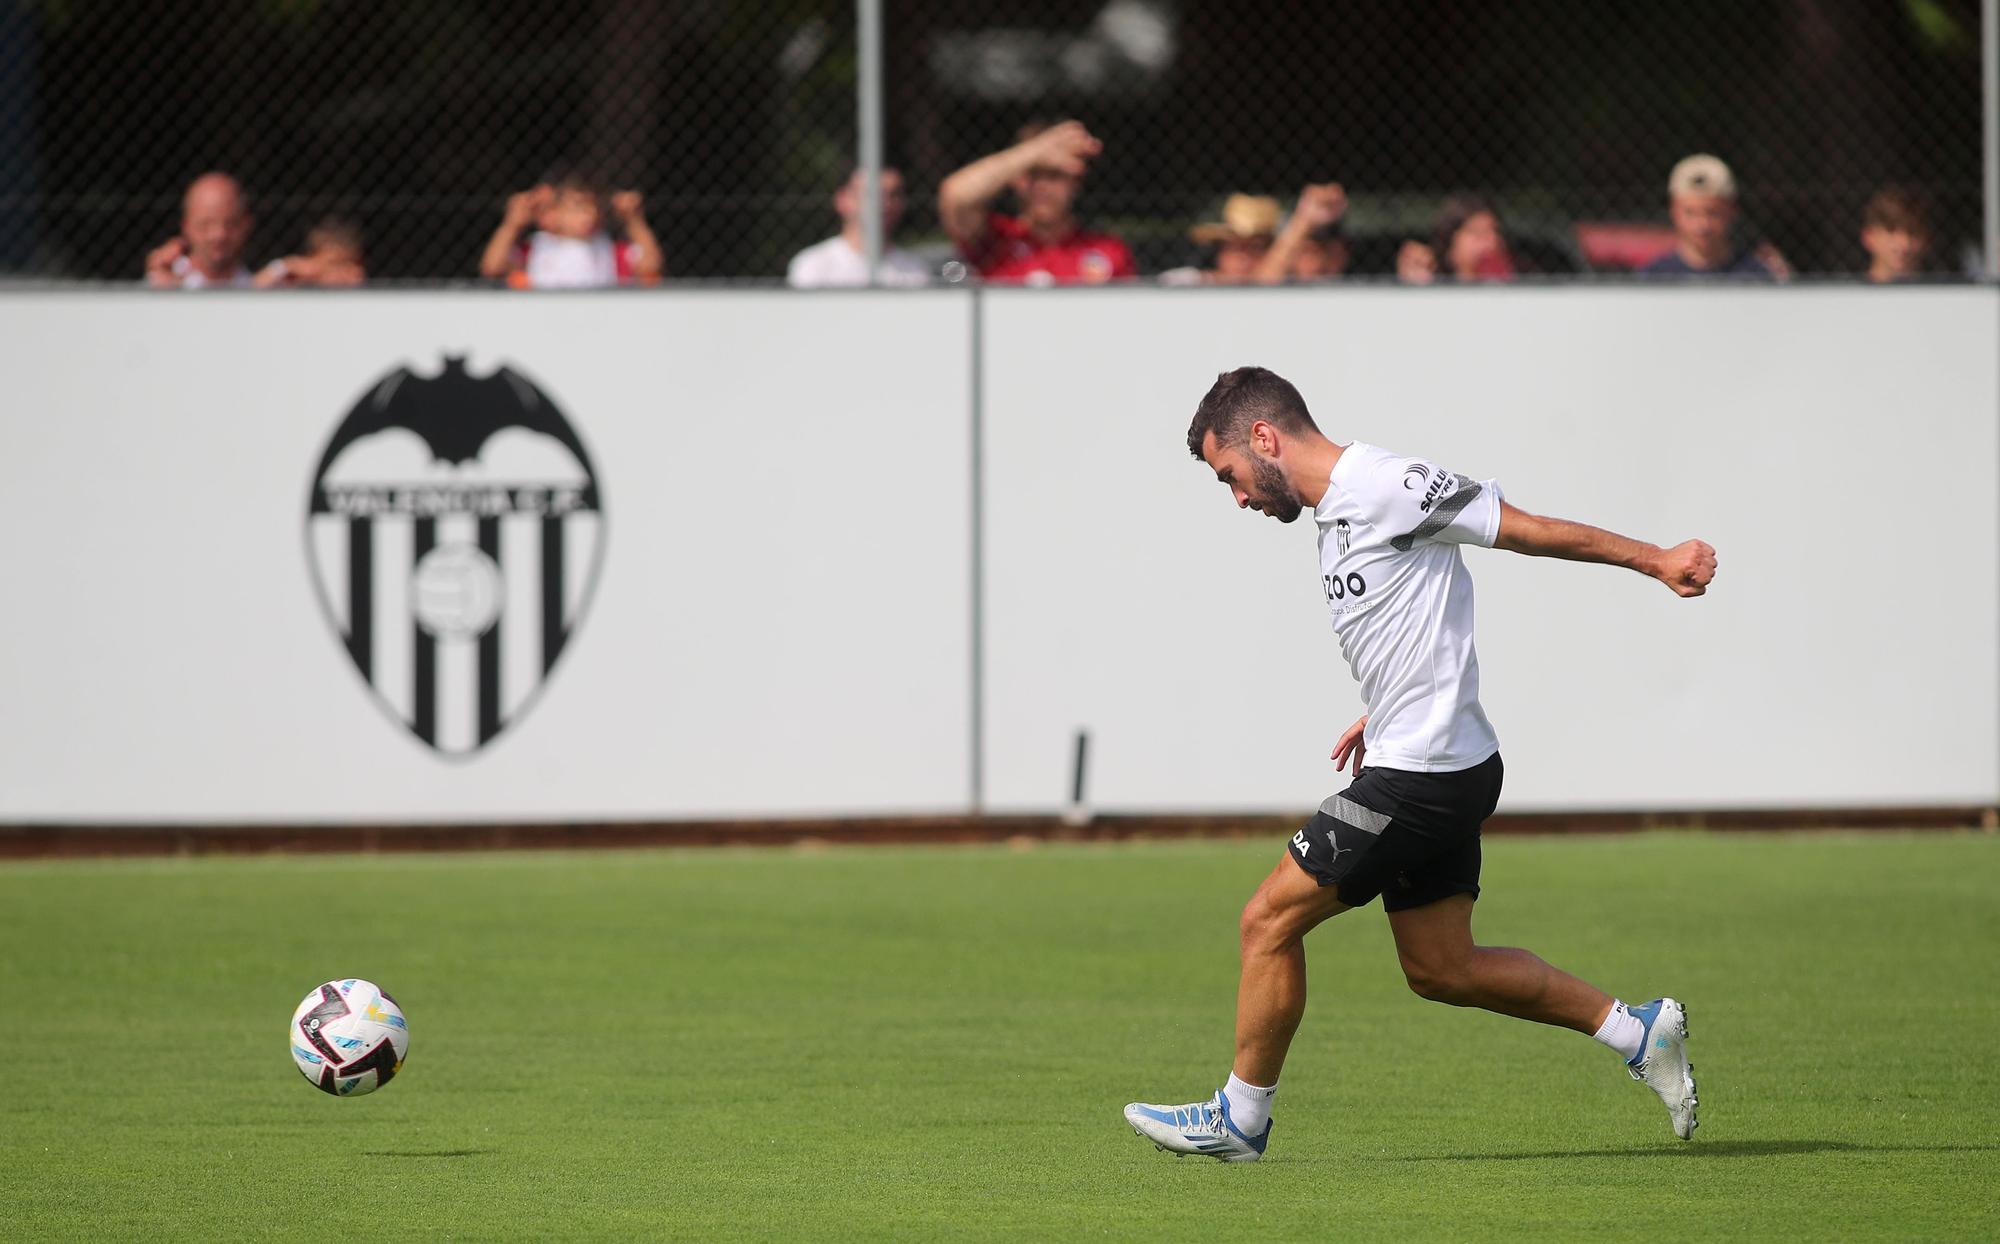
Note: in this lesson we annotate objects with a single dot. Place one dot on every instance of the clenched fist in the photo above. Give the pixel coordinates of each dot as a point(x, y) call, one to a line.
point(1687, 568)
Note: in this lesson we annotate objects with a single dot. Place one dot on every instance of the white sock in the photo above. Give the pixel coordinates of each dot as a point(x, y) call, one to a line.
point(1621, 1030)
point(1249, 1106)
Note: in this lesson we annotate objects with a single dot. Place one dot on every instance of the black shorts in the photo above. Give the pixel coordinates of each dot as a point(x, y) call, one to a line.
point(1412, 838)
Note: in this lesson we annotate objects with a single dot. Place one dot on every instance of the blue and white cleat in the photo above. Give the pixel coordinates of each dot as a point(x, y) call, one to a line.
point(1662, 1062)
point(1202, 1127)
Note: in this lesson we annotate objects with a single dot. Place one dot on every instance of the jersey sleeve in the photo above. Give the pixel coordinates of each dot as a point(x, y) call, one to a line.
point(1418, 502)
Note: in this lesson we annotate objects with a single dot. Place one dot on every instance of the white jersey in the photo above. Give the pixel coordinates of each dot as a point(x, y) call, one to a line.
point(191, 277)
point(557, 262)
point(1389, 531)
point(834, 262)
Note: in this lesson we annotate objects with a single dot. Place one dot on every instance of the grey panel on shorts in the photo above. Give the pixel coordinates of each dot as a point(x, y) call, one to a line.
point(1348, 812)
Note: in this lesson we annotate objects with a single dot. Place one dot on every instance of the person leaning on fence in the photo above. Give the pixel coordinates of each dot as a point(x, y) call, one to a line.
point(332, 258)
point(842, 259)
point(215, 231)
point(1044, 245)
point(1701, 194)
point(569, 247)
point(1896, 233)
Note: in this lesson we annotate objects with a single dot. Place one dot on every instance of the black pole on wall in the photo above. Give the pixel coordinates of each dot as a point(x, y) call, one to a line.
point(977, 697)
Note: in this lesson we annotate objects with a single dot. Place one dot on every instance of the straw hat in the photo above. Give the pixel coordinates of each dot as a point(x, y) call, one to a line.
point(1244, 216)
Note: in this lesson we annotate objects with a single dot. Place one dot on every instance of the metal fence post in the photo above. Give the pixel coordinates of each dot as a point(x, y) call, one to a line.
point(1989, 29)
point(868, 88)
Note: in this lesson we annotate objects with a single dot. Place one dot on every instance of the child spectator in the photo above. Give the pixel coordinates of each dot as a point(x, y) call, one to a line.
point(332, 258)
point(1896, 233)
point(569, 248)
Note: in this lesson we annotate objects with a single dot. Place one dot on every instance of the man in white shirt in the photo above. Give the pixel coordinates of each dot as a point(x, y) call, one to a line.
point(1407, 828)
point(208, 251)
point(841, 259)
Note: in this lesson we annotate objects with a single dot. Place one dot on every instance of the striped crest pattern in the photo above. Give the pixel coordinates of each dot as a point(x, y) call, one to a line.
point(456, 531)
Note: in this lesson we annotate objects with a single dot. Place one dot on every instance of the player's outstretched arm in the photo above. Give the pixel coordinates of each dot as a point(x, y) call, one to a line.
point(1687, 568)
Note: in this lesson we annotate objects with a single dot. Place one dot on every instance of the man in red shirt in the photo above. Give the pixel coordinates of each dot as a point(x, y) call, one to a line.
point(1044, 245)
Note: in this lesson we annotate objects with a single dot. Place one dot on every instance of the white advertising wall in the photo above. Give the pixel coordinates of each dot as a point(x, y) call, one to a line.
point(778, 623)
point(1837, 446)
point(279, 558)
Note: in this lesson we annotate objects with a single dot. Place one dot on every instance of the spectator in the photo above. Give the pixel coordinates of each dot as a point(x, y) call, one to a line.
point(1896, 233)
point(1468, 244)
point(840, 260)
point(1701, 194)
point(1242, 239)
point(569, 248)
point(1044, 245)
point(1416, 263)
point(332, 258)
point(1311, 246)
point(215, 229)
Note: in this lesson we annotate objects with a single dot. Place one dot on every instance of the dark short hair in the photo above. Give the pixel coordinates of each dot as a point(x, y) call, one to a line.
point(575, 177)
point(1240, 398)
point(848, 168)
point(1327, 235)
point(1898, 208)
point(341, 231)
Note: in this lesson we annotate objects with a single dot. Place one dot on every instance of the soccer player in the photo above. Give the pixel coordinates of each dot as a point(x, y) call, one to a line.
point(1407, 827)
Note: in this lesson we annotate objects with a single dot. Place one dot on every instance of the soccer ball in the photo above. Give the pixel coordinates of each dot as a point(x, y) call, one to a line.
point(349, 1037)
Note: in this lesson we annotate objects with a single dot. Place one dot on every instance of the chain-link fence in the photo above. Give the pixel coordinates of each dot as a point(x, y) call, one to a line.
point(414, 121)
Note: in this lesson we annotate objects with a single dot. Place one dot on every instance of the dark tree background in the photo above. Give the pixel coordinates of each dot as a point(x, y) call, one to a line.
point(418, 117)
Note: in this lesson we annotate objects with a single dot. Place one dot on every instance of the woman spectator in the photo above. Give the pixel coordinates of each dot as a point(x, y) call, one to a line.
point(1468, 244)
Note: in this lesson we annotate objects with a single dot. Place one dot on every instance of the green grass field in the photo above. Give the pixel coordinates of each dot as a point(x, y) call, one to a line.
point(935, 1044)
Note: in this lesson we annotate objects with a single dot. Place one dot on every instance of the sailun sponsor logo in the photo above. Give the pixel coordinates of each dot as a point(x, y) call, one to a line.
point(455, 528)
point(1437, 491)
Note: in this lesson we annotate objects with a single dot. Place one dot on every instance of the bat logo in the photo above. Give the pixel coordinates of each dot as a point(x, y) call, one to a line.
point(455, 528)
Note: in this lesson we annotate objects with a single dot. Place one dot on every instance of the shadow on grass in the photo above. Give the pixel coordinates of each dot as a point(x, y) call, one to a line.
point(424, 1153)
point(1707, 1149)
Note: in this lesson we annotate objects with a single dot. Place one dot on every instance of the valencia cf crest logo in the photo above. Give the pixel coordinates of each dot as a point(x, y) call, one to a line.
point(456, 530)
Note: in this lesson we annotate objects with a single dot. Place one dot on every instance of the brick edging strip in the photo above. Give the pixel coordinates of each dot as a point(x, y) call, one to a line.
point(79, 840)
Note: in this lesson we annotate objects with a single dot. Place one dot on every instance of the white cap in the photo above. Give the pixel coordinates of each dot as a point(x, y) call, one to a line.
point(1702, 174)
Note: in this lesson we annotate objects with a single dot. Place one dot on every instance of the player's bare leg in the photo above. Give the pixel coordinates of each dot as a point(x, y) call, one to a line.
point(1235, 1124)
point(1444, 964)
point(1271, 994)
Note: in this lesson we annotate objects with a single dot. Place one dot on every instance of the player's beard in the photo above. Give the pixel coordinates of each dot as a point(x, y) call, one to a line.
point(1277, 496)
